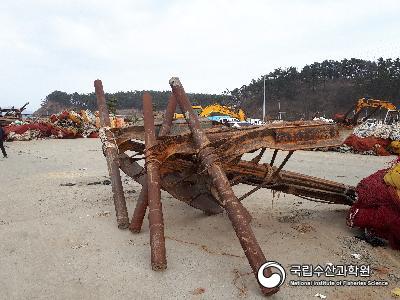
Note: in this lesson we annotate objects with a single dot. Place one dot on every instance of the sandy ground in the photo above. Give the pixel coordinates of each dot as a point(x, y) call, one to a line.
point(62, 242)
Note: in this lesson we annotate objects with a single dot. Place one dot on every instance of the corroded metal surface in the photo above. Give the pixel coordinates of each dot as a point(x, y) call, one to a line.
point(199, 165)
point(110, 150)
point(237, 214)
point(156, 221)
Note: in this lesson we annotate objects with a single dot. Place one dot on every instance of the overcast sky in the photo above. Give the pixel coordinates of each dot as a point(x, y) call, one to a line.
point(211, 45)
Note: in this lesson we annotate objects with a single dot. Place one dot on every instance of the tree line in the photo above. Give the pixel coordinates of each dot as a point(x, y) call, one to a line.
point(325, 88)
point(123, 100)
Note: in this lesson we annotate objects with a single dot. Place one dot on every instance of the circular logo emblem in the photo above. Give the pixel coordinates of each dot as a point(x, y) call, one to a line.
point(276, 279)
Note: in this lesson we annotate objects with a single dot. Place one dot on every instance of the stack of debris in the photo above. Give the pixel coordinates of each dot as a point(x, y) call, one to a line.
point(65, 125)
point(81, 124)
point(373, 139)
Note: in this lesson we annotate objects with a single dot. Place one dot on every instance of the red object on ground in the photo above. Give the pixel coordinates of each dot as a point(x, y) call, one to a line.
point(64, 115)
point(53, 118)
point(368, 143)
point(46, 130)
point(94, 135)
point(377, 208)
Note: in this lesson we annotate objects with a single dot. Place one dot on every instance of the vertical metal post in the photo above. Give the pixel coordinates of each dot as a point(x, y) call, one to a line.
point(141, 205)
point(235, 210)
point(156, 222)
point(169, 114)
point(111, 153)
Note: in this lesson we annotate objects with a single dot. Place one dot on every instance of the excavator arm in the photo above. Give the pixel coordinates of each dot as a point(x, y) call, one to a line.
point(373, 103)
point(225, 110)
point(360, 105)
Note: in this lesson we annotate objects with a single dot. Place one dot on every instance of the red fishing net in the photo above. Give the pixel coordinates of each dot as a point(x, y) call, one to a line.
point(45, 130)
point(377, 208)
point(368, 143)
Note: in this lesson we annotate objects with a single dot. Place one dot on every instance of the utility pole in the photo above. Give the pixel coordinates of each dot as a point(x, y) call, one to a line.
point(264, 102)
point(279, 110)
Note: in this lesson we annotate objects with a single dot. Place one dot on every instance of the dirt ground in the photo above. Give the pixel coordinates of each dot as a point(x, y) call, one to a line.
point(59, 238)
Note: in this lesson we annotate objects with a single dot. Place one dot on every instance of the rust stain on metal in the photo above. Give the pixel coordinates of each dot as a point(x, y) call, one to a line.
point(237, 214)
point(200, 166)
point(111, 152)
point(141, 206)
point(156, 222)
point(140, 210)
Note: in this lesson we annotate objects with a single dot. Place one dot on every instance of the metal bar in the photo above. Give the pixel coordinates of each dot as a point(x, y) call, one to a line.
point(276, 172)
point(111, 153)
point(327, 196)
point(169, 115)
point(141, 205)
point(371, 113)
point(268, 180)
point(273, 157)
point(259, 156)
point(140, 209)
point(252, 191)
point(235, 210)
point(156, 222)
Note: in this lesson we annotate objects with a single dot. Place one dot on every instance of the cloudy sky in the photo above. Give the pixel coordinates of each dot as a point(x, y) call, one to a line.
point(211, 45)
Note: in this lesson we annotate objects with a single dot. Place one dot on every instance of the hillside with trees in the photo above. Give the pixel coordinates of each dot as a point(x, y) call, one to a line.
point(326, 88)
point(58, 100)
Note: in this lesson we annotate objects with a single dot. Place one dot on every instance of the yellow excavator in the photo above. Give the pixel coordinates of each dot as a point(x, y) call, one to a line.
point(362, 103)
point(197, 109)
point(216, 109)
point(373, 103)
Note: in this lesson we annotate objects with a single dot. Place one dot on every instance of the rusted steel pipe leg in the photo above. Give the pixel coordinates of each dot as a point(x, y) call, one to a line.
point(140, 210)
point(111, 152)
point(141, 205)
point(156, 222)
point(169, 115)
point(231, 204)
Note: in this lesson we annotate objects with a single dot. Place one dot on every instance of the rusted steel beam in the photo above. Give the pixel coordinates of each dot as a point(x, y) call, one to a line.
point(268, 177)
point(140, 210)
point(293, 183)
point(230, 143)
point(276, 172)
point(259, 156)
point(273, 157)
point(234, 208)
point(156, 222)
point(168, 117)
point(111, 152)
point(141, 205)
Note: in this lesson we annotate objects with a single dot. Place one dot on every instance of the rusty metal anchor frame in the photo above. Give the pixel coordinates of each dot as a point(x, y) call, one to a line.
point(199, 166)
